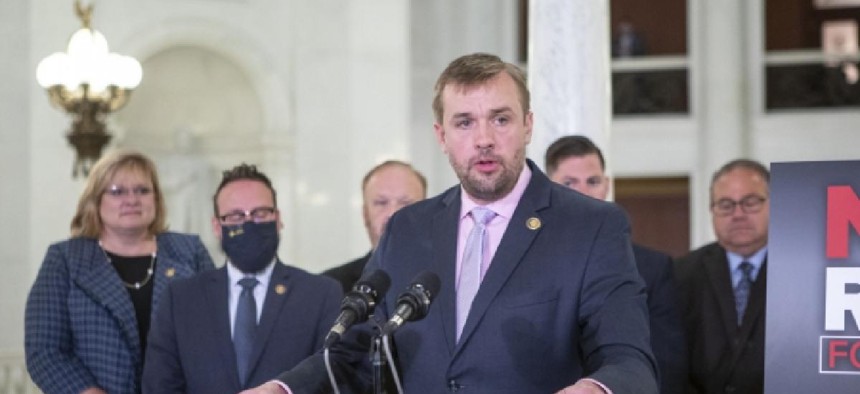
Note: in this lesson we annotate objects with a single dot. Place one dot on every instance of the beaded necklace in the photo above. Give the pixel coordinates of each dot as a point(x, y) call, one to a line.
point(135, 285)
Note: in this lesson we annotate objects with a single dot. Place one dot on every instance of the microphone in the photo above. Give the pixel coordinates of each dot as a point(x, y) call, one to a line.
point(358, 304)
point(414, 303)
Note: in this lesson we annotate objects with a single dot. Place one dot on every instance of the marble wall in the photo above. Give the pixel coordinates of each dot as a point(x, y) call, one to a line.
point(15, 165)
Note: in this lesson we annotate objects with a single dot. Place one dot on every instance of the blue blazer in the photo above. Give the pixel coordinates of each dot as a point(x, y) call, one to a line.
point(190, 348)
point(561, 300)
point(80, 329)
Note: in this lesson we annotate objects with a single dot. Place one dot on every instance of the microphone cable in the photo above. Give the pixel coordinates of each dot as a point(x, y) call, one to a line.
point(386, 345)
point(328, 369)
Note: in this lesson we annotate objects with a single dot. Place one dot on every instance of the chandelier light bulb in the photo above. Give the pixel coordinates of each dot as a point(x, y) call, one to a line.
point(126, 71)
point(86, 43)
point(52, 70)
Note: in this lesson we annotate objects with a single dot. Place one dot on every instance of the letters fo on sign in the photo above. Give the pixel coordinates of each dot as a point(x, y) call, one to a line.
point(841, 354)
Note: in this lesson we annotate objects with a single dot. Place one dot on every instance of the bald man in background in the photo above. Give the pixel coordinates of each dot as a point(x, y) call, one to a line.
point(385, 189)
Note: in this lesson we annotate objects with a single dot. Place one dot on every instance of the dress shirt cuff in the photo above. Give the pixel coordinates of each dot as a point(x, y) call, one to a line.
point(284, 386)
point(601, 385)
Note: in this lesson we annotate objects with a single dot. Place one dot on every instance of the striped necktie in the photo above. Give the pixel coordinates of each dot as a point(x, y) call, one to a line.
point(742, 290)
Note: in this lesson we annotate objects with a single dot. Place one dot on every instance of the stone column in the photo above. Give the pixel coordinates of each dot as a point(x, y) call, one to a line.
point(718, 49)
point(569, 72)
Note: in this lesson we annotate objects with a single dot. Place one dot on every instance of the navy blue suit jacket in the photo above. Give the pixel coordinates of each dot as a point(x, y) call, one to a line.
point(80, 327)
point(667, 331)
point(561, 300)
point(190, 347)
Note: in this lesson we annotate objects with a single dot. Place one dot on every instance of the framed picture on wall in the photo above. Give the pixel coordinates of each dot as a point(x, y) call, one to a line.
point(839, 38)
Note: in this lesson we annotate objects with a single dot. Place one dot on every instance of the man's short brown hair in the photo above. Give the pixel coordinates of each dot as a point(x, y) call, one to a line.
point(475, 69)
point(240, 172)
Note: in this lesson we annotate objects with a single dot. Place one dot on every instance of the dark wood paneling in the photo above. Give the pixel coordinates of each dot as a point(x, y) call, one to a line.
point(662, 24)
point(659, 210)
point(796, 24)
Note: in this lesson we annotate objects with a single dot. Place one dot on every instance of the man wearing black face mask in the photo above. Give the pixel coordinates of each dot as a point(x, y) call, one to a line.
point(241, 325)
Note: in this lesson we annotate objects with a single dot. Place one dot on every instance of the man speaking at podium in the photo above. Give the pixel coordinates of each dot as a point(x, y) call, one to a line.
point(539, 292)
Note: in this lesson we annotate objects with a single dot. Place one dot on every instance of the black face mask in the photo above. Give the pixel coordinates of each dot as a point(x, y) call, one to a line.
point(250, 246)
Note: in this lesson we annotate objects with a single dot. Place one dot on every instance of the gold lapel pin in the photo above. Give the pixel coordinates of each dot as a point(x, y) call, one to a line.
point(280, 289)
point(533, 223)
point(170, 272)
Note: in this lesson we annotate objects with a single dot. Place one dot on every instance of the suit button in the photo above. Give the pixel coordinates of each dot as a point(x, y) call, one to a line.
point(453, 385)
point(730, 389)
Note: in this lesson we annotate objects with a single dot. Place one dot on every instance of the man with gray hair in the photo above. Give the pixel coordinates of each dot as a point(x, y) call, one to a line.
point(723, 285)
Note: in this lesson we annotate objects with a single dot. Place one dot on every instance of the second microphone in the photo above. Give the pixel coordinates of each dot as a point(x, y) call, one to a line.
point(414, 303)
point(359, 303)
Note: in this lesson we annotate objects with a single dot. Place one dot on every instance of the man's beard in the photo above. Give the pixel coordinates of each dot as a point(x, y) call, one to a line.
point(493, 187)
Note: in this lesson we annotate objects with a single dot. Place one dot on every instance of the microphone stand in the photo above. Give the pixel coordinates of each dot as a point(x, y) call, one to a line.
point(378, 361)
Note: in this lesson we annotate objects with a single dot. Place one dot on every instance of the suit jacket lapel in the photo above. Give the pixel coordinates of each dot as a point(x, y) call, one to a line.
point(515, 243)
point(98, 279)
point(217, 290)
point(720, 279)
point(167, 267)
point(444, 263)
point(276, 295)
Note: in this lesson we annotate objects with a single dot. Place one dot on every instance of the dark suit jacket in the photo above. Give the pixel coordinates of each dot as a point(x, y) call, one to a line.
point(190, 348)
point(723, 357)
point(348, 273)
point(667, 332)
point(80, 327)
point(560, 301)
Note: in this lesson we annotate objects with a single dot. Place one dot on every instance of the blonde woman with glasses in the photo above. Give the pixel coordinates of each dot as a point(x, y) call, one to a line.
point(88, 312)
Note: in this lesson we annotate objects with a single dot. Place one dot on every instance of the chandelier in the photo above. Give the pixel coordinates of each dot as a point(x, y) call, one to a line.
point(88, 82)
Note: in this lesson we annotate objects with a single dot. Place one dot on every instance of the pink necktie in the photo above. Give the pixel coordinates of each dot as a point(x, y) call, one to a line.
point(470, 268)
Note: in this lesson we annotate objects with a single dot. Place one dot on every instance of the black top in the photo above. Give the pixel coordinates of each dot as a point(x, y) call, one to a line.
point(348, 273)
point(132, 269)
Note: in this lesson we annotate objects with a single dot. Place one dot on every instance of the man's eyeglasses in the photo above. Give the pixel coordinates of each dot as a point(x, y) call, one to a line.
point(748, 204)
point(259, 214)
point(122, 191)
